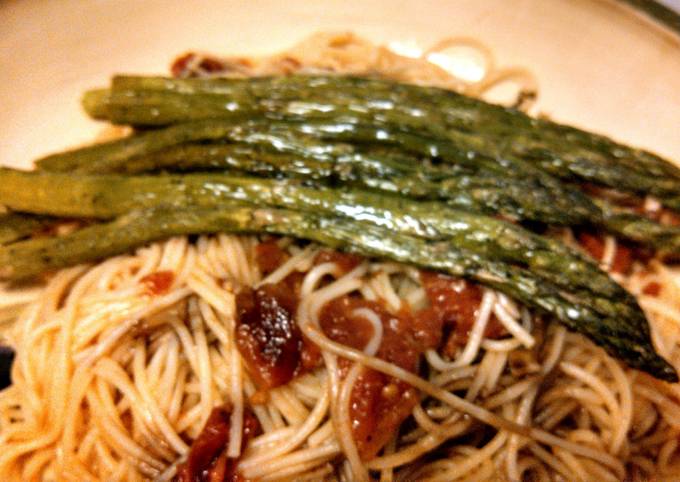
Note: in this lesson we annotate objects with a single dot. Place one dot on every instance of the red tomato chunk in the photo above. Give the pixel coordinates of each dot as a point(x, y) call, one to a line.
point(268, 338)
point(378, 403)
point(158, 283)
point(207, 460)
point(594, 245)
point(454, 304)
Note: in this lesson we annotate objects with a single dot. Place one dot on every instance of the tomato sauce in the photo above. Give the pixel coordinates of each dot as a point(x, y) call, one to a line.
point(271, 344)
point(183, 65)
point(652, 289)
point(454, 304)
point(378, 406)
point(378, 403)
point(275, 351)
point(266, 333)
point(269, 256)
point(594, 245)
point(346, 261)
point(158, 283)
point(207, 460)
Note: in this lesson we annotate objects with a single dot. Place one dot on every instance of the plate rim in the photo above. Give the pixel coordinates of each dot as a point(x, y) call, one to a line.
point(656, 13)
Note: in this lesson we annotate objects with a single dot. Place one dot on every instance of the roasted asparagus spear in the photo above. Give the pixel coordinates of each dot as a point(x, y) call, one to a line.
point(14, 226)
point(474, 125)
point(108, 196)
point(532, 195)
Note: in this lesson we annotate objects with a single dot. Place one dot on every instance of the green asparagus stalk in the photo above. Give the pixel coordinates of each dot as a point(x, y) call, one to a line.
point(516, 199)
point(289, 135)
point(27, 258)
point(338, 122)
point(272, 152)
point(535, 196)
point(636, 227)
point(108, 196)
point(161, 108)
point(564, 151)
point(393, 173)
point(465, 113)
point(14, 226)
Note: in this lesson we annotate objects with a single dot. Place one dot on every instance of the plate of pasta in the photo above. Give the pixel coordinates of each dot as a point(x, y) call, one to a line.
point(438, 243)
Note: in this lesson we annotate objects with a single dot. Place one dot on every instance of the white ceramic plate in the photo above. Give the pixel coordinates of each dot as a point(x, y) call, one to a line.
point(598, 64)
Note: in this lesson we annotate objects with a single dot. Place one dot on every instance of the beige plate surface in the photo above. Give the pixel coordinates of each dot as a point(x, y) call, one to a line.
point(598, 65)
